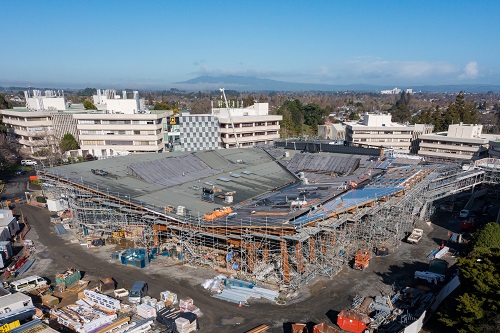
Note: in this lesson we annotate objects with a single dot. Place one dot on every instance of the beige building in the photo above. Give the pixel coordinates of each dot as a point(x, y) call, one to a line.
point(32, 130)
point(103, 134)
point(247, 127)
point(461, 142)
point(332, 131)
point(378, 130)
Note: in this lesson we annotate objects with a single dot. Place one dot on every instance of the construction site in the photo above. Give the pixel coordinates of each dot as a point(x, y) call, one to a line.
point(260, 214)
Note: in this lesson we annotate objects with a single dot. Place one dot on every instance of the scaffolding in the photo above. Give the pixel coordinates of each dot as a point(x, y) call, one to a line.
point(283, 254)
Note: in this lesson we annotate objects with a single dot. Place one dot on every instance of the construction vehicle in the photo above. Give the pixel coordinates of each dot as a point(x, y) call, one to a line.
point(415, 236)
point(362, 259)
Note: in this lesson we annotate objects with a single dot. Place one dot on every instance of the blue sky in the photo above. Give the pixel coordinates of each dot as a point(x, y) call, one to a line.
point(151, 44)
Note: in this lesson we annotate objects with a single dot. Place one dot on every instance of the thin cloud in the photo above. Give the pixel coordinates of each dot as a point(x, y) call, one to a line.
point(471, 71)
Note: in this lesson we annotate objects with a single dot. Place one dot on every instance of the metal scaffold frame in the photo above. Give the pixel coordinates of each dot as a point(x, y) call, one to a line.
point(285, 255)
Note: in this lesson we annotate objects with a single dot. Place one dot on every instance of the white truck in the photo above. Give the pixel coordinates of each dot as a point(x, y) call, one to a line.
point(415, 236)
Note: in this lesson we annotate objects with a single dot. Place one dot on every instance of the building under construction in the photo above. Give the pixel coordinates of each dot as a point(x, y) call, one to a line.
point(267, 214)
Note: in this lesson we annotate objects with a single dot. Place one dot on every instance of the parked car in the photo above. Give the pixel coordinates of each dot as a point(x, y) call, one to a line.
point(29, 162)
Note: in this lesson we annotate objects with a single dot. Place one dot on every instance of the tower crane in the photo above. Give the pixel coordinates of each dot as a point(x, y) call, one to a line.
point(230, 117)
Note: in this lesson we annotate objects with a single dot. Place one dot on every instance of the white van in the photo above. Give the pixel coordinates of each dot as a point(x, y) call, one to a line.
point(28, 283)
point(29, 162)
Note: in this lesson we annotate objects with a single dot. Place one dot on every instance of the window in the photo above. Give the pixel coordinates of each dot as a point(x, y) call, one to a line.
point(119, 143)
point(92, 142)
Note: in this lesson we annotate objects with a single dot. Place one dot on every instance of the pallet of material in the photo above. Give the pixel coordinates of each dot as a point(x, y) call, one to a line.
point(120, 292)
point(259, 329)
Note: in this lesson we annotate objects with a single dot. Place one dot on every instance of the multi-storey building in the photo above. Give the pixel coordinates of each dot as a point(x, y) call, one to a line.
point(461, 142)
point(122, 125)
point(32, 130)
point(247, 127)
point(378, 130)
point(104, 134)
point(39, 127)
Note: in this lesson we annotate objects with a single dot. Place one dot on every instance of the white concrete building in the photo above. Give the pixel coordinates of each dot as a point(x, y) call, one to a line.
point(247, 127)
point(104, 134)
point(462, 142)
point(332, 131)
point(395, 91)
point(111, 102)
point(50, 101)
point(32, 130)
point(378, 130)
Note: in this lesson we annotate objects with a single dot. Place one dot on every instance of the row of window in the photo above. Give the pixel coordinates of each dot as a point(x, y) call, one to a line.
point(118, 122)
point(121, 132)
point(381, 140)
point(458, 144)
point(240, 125)
point(120, 143)
point(446, 151)
point(382, 132)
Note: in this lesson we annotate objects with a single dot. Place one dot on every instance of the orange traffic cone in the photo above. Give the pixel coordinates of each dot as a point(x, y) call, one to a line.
point(239, 305)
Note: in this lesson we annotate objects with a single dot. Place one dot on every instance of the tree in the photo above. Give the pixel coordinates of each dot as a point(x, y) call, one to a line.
point(478, 302)
point(88, 105)
point(68, 142)
point(162, 106)
point(87, 92)
point(354, 116)
point(4, 103)
point(488, 237)
point(401, 110)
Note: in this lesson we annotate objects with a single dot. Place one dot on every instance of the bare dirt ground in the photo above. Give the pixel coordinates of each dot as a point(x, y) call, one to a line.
point(320, 300)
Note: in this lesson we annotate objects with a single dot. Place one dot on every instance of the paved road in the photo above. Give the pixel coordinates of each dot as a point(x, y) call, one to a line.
point(327, 297)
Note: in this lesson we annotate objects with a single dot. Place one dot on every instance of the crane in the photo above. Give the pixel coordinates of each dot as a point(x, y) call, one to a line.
point(230, 117)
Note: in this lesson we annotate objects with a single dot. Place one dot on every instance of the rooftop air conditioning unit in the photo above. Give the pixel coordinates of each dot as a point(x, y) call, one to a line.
point(181, 210)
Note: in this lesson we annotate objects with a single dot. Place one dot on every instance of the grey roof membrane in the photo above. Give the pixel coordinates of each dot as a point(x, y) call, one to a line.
point(261, 185)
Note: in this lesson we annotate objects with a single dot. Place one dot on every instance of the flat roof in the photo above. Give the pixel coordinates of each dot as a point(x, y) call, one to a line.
point(263, 183)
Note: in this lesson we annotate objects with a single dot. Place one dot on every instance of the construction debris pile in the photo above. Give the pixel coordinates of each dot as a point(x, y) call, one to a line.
point(387, 314)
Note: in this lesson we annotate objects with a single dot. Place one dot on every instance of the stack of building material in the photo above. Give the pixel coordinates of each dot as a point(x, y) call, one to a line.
point(185, 325)
point(168, 297)
point(166, 317)
point(146, 311)
point(103, 301)
point(216, 284)
point(185, 303)
point(241, 295)
point(82, 318)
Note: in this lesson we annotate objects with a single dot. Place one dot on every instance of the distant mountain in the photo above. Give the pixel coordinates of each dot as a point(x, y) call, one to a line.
point(248, 83)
